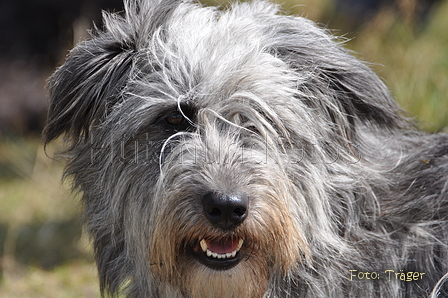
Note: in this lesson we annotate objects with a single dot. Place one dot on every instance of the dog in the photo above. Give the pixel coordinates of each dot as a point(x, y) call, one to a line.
point(241, 152)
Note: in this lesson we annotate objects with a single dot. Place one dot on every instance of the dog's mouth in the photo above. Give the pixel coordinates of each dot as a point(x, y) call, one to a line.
point(219, 254)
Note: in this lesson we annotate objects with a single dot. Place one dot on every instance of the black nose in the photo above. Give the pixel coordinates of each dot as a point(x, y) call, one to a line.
point(225, 211)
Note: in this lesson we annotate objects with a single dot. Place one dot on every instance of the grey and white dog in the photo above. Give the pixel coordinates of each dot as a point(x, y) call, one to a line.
point(245, 153)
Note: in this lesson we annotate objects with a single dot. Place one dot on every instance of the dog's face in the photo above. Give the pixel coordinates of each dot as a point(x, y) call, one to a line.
point(201, 141)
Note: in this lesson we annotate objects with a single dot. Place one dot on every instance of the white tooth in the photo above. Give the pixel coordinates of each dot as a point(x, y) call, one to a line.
point(220, 256)
point(203, 244)
point(240, 244)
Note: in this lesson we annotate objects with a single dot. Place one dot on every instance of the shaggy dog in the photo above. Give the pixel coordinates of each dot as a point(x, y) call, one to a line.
point(245, 153)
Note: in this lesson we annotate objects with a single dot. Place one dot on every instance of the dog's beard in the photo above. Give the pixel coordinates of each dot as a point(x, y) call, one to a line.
point(247, 279)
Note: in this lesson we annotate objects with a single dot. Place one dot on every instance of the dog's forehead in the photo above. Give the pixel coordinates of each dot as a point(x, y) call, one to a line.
point(209, 33)
point(206, 56)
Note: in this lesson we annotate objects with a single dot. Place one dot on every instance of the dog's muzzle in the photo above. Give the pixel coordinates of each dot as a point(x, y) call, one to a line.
point(225, 212)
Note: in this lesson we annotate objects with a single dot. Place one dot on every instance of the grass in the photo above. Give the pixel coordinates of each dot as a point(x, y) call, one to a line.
point(43, 251)
point(42, 248)
point(71, 280)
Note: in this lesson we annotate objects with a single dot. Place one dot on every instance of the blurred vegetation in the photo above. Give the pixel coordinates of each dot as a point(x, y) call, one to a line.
point(43, 252)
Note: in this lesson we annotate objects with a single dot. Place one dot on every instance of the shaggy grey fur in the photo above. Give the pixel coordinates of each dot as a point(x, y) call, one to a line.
point(173, 102)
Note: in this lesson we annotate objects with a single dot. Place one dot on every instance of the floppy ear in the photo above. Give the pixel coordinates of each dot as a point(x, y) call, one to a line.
point(96, 70)
point(345, 88)
point(85, 85)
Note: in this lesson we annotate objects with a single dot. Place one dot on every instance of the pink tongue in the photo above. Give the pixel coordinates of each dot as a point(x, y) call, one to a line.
point(222, 246)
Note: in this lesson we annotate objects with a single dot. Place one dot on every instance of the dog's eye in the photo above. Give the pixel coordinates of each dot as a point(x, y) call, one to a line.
point(175, 119)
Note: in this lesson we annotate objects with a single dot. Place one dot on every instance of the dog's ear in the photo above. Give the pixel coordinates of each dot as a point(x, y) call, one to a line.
point(95, 71)
point(337, 82)
point(82, 88)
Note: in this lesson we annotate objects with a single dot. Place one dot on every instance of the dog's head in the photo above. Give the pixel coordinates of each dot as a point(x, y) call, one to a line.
point(184, 78)
point(211, 45)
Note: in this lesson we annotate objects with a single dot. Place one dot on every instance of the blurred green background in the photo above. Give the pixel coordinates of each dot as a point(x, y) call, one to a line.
point(43, 251)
